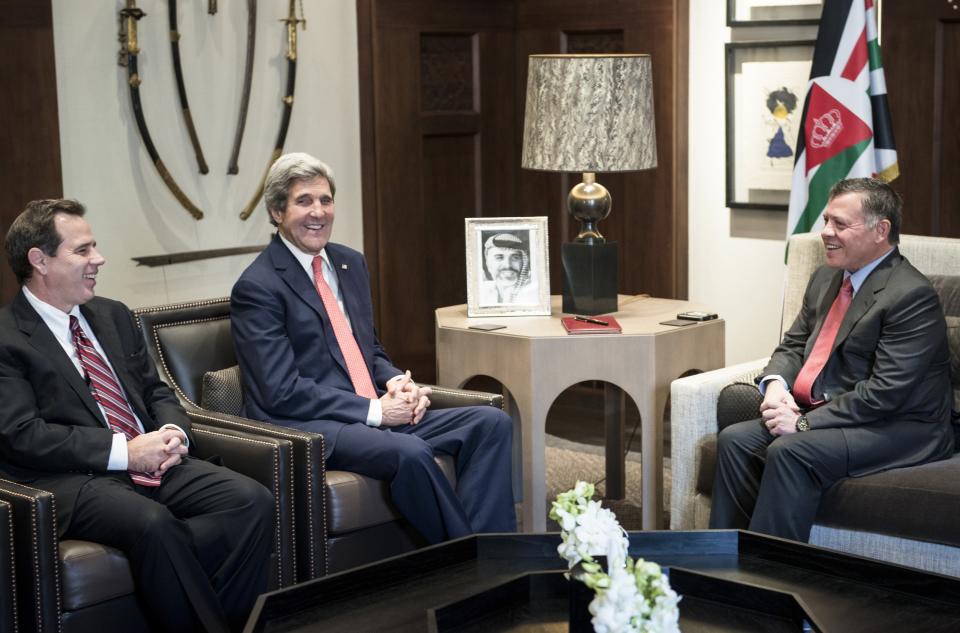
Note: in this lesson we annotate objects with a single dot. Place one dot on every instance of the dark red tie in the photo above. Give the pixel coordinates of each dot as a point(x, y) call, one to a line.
point(356, 366)
point(803, 385)
point(107, 392)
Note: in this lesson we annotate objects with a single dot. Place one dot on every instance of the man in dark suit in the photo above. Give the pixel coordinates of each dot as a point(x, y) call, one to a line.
point(84, 415)
point(302, 323)
point(859, 384)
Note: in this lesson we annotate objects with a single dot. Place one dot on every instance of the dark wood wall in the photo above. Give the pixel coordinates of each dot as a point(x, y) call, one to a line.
point(921, 57)
point(29, 129)
point(442, 91)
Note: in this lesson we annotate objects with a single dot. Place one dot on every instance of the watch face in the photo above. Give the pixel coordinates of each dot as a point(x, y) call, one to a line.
point(802, 424)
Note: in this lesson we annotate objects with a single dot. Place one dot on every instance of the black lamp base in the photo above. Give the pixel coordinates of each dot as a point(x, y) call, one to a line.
point(590, 277)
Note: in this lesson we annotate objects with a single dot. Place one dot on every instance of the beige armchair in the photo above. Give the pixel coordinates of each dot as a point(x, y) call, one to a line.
point(888, 515)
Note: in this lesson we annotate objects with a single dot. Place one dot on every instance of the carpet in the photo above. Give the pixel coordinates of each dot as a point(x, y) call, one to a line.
point(567, 462)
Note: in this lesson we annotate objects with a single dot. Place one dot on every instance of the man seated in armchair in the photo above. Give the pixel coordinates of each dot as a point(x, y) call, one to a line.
point(859, 384)
point(84, 415)
point(302, 322)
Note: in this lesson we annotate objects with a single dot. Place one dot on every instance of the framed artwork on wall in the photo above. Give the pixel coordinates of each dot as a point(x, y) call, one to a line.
point(773, 12)
point(765, 91)
point(507, 266)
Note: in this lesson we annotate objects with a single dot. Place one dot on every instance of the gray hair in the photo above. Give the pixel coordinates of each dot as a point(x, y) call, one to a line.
point(878, 200)
point(287, 170)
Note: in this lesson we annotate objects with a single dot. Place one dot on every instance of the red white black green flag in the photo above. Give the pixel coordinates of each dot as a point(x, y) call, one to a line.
point(845, 130)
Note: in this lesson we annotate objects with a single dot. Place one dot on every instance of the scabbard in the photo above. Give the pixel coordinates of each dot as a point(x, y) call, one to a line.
point(133, 80)
point(233, 166)
point(281, 136)
point(182, 89)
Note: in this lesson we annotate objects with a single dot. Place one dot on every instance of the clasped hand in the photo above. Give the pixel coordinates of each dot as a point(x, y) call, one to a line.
point(156, 452)
point(779, 410)
point(404, 402)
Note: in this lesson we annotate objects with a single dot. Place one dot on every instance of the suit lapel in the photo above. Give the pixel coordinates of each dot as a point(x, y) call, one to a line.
point(866, 297)
point(43, 340)
point(289, 269)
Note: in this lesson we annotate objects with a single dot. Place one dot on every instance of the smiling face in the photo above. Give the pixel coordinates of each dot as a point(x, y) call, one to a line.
point(851, 243)
point(504, 264)
point(68, 277)
point(307, 221)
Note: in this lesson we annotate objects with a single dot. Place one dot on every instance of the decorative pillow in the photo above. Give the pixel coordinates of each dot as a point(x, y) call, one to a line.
point(223, 391)
point(948, 287)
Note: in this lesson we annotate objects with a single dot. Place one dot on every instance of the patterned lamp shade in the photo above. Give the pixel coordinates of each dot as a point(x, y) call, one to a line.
point(589, 113)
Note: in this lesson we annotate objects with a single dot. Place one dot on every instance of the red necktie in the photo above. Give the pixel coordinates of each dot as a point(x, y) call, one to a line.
point(803, 385)
point(107, 392)
point(356, 366)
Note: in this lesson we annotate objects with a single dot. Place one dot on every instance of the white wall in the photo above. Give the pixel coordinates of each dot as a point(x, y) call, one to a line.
point(106, 167)
point(736, 256)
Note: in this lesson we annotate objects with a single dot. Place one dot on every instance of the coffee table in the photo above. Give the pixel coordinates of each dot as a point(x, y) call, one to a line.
point(729, 580)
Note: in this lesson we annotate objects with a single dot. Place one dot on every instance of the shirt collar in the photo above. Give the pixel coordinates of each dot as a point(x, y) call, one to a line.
point(55, 318)
point(305, 259)
point(857, 278)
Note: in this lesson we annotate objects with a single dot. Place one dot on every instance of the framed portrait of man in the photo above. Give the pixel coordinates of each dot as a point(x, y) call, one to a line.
point(507, 266)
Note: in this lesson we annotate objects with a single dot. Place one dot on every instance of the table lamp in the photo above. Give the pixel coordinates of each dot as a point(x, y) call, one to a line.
point(589, 114)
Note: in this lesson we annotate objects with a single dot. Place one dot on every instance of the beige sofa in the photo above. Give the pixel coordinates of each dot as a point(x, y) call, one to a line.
point(908, 516)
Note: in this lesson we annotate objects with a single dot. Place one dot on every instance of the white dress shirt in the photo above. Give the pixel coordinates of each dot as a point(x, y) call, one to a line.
point(58, 322)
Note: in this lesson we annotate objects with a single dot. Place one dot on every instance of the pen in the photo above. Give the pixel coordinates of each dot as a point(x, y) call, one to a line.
point(589, 320)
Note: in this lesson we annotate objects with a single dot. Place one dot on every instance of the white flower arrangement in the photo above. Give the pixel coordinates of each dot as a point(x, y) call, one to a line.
point(631, 596)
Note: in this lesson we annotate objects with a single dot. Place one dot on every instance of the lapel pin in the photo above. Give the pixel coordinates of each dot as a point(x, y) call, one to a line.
point(344, 266)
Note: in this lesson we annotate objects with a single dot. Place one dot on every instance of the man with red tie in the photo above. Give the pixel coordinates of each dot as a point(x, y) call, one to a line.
point(302, 323)
point(84, 415)
point(859, 384)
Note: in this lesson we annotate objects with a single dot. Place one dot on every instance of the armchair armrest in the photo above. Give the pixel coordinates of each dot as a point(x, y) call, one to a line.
point(309, 484)
point(693, 420)
point(37, 555)
point(8, 586)
point(447, 397)
point(269, 461)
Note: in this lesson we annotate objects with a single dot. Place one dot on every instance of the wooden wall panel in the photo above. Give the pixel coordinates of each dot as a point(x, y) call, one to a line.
point(29, 128)
point(921, 57)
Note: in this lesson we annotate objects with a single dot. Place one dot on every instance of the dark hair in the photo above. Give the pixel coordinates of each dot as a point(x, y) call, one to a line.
point(878, 200)
point(34, 228)
point(287, 170)
point(784, 96)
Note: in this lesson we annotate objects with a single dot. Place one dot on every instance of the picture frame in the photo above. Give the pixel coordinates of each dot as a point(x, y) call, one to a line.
point(773, 12)
point(508, 270)
point(766, 86)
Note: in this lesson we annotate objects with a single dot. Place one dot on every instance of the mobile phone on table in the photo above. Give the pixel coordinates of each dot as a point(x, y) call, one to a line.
point(696, 315)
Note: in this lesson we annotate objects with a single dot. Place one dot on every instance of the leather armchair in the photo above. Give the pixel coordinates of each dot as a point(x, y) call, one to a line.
point(72, 586)
point(8, 589)
point(343, 519)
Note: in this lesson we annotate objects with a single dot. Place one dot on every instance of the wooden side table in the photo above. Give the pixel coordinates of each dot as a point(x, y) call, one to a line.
point(536, 360)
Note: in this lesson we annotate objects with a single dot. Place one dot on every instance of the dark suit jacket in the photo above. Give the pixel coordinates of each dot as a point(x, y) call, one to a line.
point(293, 371)
point(52, 433)
point(887, 379)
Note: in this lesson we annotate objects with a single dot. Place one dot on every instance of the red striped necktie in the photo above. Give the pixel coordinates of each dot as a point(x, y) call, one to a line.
point(106, 390)
point(356, 366)
point(803, 385)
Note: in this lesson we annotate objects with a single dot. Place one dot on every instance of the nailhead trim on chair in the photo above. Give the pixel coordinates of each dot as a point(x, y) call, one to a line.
point(36, 558)
point(13, 567)
point(180, 306)
point(276, 496)
point(163, 360)
point(458, 395)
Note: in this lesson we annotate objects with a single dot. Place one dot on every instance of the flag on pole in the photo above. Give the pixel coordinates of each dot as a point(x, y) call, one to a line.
point(845, 131)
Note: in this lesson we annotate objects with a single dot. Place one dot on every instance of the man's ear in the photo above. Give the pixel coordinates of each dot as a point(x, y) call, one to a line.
point(37, 259)
point(883, 229)
point(276, 215)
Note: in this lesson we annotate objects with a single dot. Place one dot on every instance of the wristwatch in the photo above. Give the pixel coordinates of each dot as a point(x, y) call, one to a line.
point(802, 424)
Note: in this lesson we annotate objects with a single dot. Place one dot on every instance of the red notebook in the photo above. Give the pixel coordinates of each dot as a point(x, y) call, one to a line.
point(578, 326)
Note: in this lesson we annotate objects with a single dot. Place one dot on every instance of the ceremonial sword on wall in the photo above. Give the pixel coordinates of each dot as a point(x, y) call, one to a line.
point(129, 49)
point(292, 21)
point(181, 88)
point(232, 167)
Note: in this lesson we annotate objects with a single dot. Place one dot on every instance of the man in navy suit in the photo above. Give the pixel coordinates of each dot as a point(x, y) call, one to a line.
point(302, 323)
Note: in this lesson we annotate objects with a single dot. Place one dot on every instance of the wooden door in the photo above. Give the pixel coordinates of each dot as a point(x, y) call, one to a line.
point(442, 87)
point(30, 135)
point(921, 57)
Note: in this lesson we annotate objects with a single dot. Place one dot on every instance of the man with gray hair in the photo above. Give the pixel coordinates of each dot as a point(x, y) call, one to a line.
point(859, 384)
point(302, 322)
